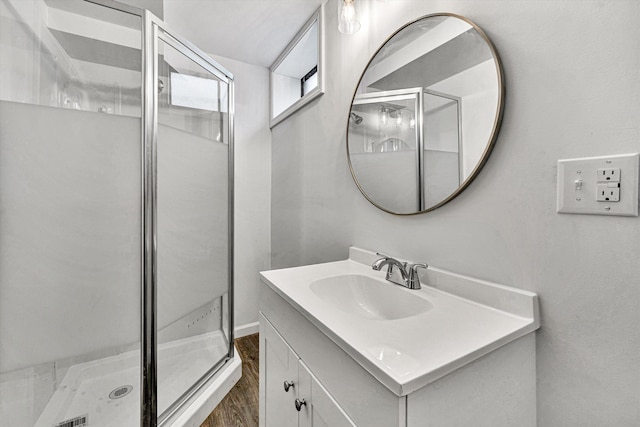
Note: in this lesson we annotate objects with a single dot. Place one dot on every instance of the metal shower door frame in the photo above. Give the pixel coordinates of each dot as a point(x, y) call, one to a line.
point(154, 29)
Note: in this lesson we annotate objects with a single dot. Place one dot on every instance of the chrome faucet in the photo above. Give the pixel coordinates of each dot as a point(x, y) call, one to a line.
point(401, 273)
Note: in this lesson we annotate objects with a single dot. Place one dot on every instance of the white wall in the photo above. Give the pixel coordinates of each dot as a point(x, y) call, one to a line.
point(252, 184)
point(155, 6)
point(477, 88)
point(572, 84)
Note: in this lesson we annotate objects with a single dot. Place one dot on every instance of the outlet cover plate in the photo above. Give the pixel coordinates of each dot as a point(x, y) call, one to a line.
point(578, 183)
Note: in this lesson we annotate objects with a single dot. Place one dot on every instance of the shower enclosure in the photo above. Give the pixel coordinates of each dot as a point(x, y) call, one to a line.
point(116, 218)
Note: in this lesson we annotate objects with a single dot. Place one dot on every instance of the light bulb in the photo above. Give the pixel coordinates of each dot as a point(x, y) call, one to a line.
point(399, 118)
point(348, 19)
point(412, 122)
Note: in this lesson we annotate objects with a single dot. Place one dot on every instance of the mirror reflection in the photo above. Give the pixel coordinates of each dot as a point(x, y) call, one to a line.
point(425, 114)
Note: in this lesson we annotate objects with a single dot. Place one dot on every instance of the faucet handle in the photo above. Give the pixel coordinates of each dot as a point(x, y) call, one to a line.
point(414, 267)
point(413, 280)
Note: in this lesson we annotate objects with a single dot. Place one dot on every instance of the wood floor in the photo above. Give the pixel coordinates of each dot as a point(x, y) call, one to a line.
point(240, 407)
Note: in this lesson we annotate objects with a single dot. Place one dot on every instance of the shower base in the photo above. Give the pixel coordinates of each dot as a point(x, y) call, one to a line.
point(106, 392)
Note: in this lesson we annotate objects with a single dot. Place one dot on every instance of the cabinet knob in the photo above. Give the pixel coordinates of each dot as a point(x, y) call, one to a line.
point(300, 404)
point(287, 385)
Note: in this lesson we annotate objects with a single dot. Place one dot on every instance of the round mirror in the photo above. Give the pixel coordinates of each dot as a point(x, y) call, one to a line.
point(425, 115)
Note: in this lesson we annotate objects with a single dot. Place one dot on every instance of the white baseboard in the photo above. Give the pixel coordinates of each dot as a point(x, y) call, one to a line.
point(246, 329)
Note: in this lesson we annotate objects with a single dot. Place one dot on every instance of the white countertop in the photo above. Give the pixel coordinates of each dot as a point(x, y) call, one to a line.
point(469, 318)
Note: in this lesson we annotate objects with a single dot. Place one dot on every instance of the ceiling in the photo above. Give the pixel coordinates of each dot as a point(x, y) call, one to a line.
point(253, 31)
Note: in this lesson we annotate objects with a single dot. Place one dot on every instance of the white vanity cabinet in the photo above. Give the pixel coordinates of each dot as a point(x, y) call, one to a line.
point(290, 394)
point(497, 390)
point(469, 360)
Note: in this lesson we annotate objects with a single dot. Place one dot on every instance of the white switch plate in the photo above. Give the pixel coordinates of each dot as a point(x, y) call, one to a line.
point(578, 181)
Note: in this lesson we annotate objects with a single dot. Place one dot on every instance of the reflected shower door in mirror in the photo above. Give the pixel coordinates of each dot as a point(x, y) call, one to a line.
point(407, 159)
point(424, 150)
point(192, 221)
point(384, 135)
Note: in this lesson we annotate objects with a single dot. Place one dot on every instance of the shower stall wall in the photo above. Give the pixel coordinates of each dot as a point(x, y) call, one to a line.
point(116, 218)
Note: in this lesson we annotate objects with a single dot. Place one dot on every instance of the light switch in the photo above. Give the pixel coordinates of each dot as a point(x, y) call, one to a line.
point(605, 185)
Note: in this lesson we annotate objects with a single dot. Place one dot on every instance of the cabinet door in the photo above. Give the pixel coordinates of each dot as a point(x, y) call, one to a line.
point(320, 410)
point(278, 363)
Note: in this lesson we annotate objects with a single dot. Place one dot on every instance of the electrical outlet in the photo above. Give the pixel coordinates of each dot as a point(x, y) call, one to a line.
point(608, 192)
point(605, 185)
point(608, 175)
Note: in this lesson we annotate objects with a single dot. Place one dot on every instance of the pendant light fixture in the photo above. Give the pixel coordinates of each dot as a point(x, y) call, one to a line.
point(347, 17)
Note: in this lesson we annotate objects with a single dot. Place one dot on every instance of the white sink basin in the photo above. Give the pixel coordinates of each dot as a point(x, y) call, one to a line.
point(369, 298)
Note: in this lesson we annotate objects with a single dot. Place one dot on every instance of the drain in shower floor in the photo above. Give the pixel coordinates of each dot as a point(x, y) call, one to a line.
point(120, 392)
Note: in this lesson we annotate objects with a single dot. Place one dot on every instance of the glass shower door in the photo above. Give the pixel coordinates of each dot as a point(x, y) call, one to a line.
point(193, 220)
point(70, 222)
